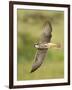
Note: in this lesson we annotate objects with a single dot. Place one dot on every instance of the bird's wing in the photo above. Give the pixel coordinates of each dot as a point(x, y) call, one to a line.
point(40, 54)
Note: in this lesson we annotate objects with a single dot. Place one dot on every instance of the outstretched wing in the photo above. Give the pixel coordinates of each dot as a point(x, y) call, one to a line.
point(40, 54)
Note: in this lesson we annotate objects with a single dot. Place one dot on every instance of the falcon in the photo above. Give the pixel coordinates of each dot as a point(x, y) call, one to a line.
point(43, 45)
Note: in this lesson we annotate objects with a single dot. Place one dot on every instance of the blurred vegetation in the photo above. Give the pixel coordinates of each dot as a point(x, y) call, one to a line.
point(29, 27)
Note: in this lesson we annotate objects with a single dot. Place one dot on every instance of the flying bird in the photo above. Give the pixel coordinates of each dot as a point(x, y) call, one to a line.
point(43, 45)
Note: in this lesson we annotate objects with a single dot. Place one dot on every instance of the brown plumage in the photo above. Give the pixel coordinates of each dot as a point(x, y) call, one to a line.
point(41, 53)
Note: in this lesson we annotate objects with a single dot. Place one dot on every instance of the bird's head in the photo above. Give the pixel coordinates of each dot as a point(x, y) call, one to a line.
point(36, 45)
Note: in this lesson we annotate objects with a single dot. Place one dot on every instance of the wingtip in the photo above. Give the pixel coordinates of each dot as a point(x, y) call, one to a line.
point(32, 71)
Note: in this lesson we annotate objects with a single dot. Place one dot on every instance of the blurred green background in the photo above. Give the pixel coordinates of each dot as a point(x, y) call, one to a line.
point(29, 29)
